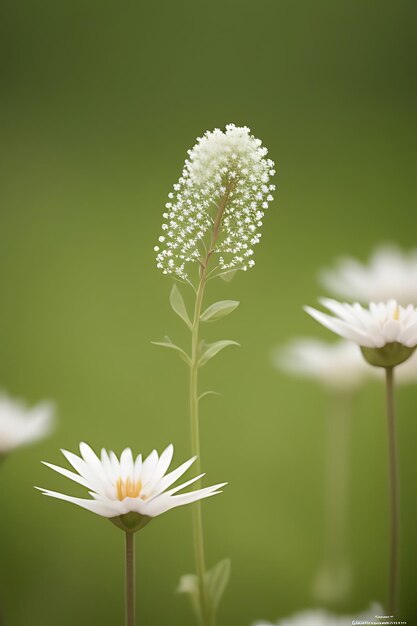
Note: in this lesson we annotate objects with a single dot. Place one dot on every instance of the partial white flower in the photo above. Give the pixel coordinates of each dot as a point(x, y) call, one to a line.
point(128, 485)
point(218, 204)
point(321, 617)
point(390, 273)
point(386, 332)
point(337, 365)
point(20, 425)
point(382, 323)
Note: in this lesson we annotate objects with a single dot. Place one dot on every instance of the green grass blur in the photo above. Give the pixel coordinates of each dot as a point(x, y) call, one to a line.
point(100, 101)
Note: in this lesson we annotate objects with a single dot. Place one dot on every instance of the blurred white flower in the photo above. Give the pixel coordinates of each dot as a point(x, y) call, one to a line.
point(218, 204)
point(128, 486)
point(319, 617)
point(337, 365)
point(390, 273)
point(386, 332)
point(20, 425)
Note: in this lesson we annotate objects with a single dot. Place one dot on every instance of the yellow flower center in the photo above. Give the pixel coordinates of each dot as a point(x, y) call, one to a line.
point(128, 488)
point(396, 314)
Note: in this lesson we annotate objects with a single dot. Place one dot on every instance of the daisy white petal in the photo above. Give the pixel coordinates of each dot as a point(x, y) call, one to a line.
point(160, 469)
point(138, 467)
point(126, 463)
point(408, 336)
point(165, 502)
point(115, 462)
point(340, 327)
point(172, 477)
point(85, 470)
point(183, 485)
point(148, 467)
point(68, 474)
point(163, 463)
point(90, 457)
point(95, 506)
point(106, 464)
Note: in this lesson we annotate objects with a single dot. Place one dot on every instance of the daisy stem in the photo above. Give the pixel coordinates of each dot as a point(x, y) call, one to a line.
point(130, 579)
point(394, 494)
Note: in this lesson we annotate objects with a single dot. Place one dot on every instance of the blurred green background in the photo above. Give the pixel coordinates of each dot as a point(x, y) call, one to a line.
point(100, 101)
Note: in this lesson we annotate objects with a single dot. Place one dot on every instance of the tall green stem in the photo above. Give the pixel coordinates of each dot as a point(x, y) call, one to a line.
point(130, 579)
point(332, 581)
point(199, 554)
point(337, 475)
point(394, 495)
point(2, 459)
point(207, 617)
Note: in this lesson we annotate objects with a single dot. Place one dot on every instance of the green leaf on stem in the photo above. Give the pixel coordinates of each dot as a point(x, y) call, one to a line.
point(167, 343)
point(218, 310)
point(208, 393)
point(211, 349)
point(178, 305)
point(215, 583)
point(228, 276)
point(189, 584)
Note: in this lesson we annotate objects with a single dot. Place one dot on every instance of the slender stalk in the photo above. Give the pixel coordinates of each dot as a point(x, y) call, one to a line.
point(2, 459)
point(130, 579)
point(394, 495)
point(332, 579)
point(199, 554)
point(337, 476)
point(207, 617)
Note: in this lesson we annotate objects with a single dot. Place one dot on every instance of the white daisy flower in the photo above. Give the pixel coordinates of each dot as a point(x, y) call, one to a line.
point(334, 365)
point(320, 617)
point(20, 425)
point(386, 332)
point(390, 273)
point(129, 491)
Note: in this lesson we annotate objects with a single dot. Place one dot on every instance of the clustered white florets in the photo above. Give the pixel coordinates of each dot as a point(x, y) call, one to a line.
point(227, 169)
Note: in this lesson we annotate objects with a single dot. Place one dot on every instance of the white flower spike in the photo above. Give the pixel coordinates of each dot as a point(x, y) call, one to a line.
point(218, 204)
point(129, 491)
point(20, 425)
point(390, 273)
point(386, 332)
point(336, 365)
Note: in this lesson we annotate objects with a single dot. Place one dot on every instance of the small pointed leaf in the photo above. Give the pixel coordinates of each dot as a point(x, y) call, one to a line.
point(208, 393)
point(218, 310)
point(167, 343)
point(189, 584)
point(178, 305)
point(228, 276)
point(216, 582)
point(212, 349)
